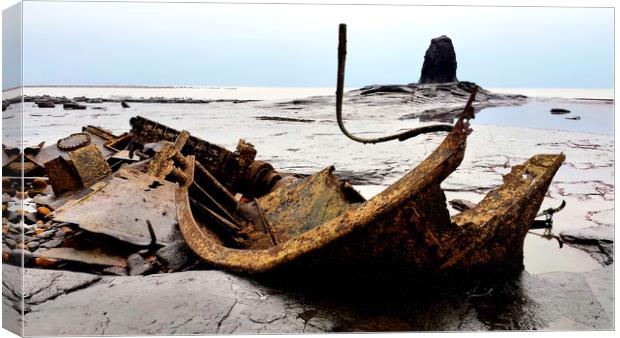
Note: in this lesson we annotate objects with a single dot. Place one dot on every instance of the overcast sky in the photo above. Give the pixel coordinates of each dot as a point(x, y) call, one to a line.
point(295, 45)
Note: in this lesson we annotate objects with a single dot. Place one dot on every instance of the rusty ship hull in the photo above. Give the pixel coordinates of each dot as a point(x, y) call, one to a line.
point(317, 222)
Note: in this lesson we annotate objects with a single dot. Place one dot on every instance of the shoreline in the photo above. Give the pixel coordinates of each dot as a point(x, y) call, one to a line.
point(300, 135)
point(266, 93)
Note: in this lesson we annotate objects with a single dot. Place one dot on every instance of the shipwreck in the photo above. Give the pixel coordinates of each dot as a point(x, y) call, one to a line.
point(237, 213)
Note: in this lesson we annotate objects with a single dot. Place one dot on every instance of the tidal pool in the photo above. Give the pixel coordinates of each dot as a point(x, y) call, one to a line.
point(542, 252)
point(588, 116)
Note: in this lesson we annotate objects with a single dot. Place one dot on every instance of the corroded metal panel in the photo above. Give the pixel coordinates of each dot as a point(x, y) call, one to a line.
point(62, 176)
point(237, 171)
point(52, 151)
point(121, 205)
point(90, 164)
point(496, 227)
point(304, 204)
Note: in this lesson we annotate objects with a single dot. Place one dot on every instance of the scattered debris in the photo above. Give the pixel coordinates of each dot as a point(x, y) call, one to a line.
point(282, 119)
point(559, 111)
point(121, 205)
point(86, 166)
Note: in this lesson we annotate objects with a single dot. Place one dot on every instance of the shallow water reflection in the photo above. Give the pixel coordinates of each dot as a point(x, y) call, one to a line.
point(541, 253)
point(594, 117)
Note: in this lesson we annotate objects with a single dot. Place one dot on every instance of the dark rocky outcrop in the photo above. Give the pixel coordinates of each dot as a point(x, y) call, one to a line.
point(558, 111)
point(46, 104)
point(73, 106)
point(439, 62)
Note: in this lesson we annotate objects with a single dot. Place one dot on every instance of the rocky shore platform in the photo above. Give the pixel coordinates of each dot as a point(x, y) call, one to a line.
point(301, 135)
point(64, 303)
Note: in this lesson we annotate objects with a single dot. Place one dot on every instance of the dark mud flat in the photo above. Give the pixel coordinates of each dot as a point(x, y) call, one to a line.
point(577, 294)
point(214, 302)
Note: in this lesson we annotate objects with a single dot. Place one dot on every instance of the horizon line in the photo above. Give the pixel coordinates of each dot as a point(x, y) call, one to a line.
point(215, 86)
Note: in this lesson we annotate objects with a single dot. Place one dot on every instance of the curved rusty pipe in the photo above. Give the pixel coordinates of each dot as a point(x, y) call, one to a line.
point(342, 53)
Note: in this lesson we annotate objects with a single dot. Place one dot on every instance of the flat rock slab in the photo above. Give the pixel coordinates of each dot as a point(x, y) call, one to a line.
point(205, 302)
point(95, 256)
point(39, 286)
point(214, 302)
point(121, 207)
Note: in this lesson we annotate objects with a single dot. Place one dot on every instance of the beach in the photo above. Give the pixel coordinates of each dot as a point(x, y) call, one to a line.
point(295, 130)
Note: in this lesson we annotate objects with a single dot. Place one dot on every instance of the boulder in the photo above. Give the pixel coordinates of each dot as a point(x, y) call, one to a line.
point(439, 62)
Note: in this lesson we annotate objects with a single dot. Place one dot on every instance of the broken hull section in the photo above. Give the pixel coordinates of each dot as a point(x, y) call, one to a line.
point(407, 226)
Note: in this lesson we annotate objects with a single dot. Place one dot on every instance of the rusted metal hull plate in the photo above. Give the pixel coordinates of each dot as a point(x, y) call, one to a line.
point(121, 205)
point(90, 164)
point(302, 205)
point(52, 151)
point(405, 226)
point(374, 231)
point(62, 176)
point(54, 202)
point(494, 230)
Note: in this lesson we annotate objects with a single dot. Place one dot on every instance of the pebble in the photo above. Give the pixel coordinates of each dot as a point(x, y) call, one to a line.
point(138, 265)
point(66, 230)
point(5, 257)
point(5, 228)
point(29, 218)
point(39, 183)
point(46, 234)
point(16, 228)
point(14, 217)
point(21, 195)
point(15, 257)
point(10, 243)
point(43, 211)
point(44, 262)
point(52, 244)
point(32, 245)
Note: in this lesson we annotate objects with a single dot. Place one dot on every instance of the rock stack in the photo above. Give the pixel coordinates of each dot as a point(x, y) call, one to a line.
point(439, 62)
